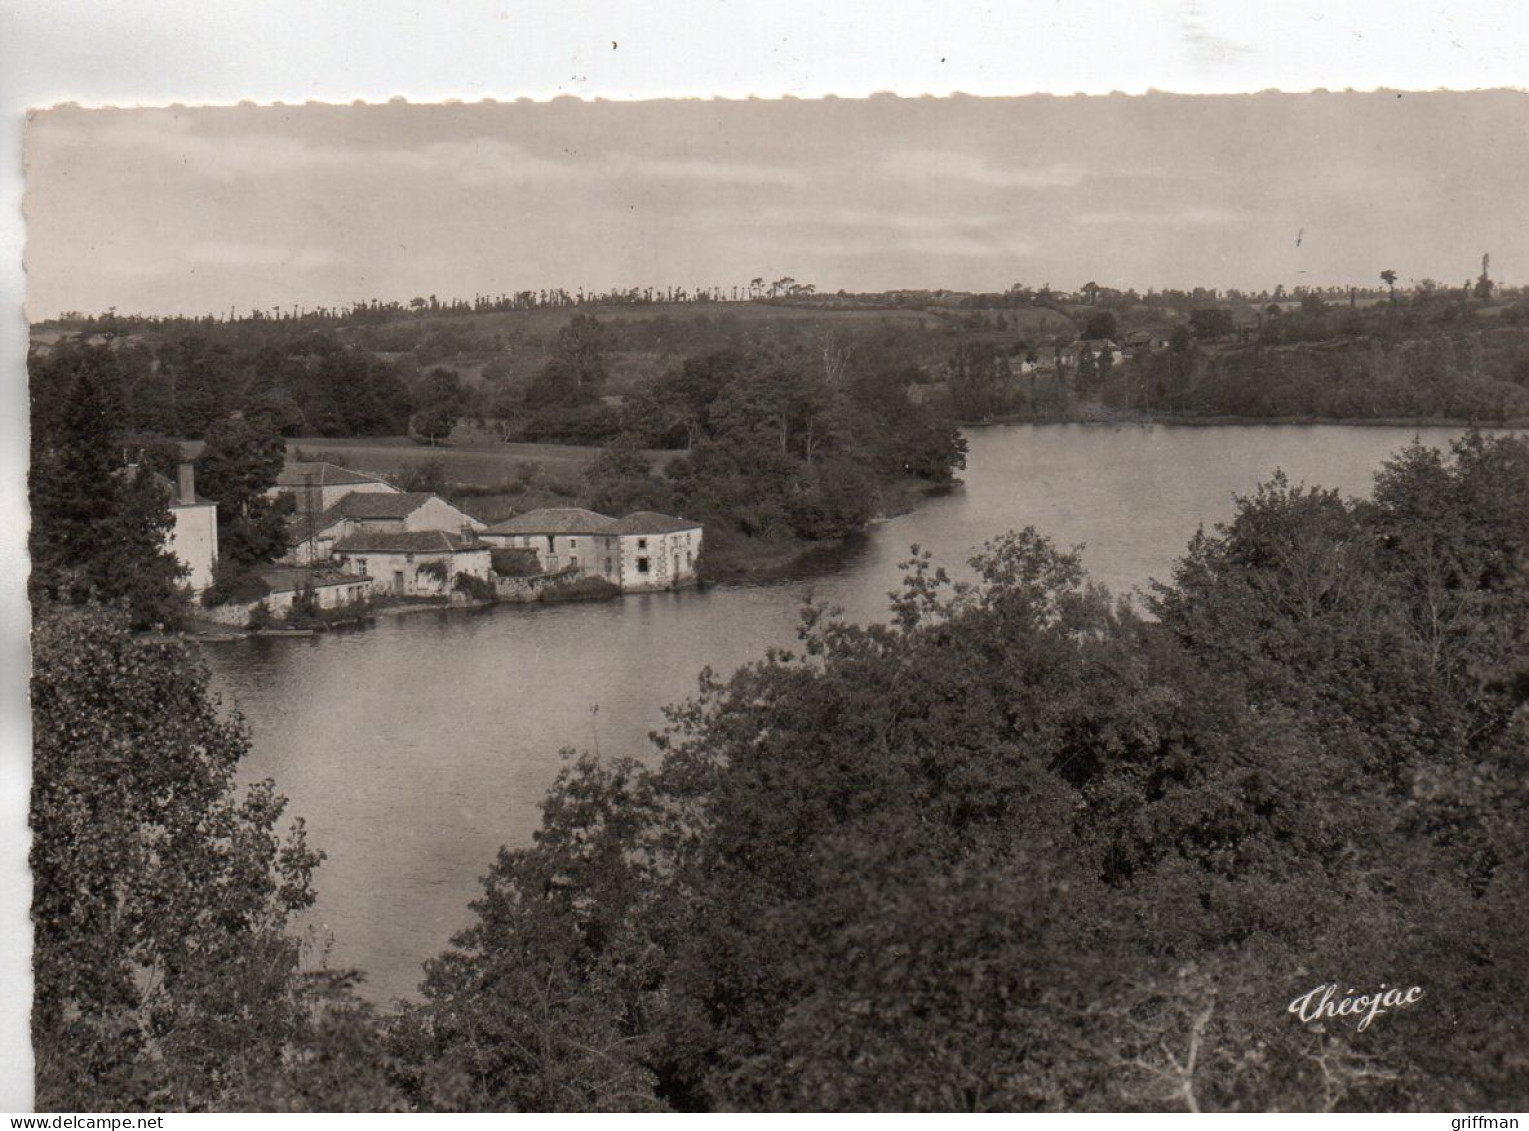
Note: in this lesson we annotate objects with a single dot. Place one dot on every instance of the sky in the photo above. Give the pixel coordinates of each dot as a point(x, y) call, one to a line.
point(203, 210)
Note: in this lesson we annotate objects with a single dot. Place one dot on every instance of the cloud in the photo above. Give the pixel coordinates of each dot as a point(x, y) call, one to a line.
point(862, 232)
point(233, 254)
point(478, 161)
point(168, 135)
point(1145, 217)
point(486, 161)
point(935, 164)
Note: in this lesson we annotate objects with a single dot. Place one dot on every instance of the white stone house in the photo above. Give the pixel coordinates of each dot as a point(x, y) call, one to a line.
point(317, 486)
point(657, 551)
point(564, 538)
point(414, 563)
point(643, 551)
point(193, 534)
point(312, 538)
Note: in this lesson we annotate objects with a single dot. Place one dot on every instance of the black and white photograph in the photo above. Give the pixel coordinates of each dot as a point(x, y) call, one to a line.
point(878, 603)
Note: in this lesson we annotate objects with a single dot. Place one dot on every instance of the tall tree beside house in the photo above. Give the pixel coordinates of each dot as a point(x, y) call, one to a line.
point(200, 381)
point(239, 462)
point(99, 528)
point(1104, 364)
point(620, 480)
point(1086, 380)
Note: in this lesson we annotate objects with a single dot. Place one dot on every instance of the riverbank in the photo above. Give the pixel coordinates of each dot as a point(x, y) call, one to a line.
point(1127, 419)
point(735, 559)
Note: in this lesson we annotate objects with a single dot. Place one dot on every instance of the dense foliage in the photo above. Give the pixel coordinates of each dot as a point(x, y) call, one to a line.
point(100, 495)
point(1019, 848)
point(99, 525)
point(181, 383)
point(1480, 375)
point(240, 461)
point(164, 975)
point(777, 443)
point(1023, 848)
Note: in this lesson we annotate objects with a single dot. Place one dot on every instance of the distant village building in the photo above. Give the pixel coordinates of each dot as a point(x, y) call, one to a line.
point(643, 551)
point(193, 535)
point(317, 486)
point(414, 563)
point(1100, 347)
point(311, 538)
point(1148, 340)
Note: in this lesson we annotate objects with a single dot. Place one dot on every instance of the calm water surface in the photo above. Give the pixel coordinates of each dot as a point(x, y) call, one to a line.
point(416, 748)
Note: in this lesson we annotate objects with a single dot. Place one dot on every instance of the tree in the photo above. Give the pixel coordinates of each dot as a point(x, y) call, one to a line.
point(1388, 277)
point(162, 976)
point(1484, 284)
point(620, 480)
point(1209, 323)
point(1101, 324)
point(99, 528)
point(1023, 848)
point(427, 475)
point(434, 422)
point(240, 461)
point(527, 1003)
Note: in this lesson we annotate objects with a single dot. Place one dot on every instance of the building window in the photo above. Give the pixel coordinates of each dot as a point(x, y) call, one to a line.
point(573, 561)
point(642, 565)
point(409, 558)
point(642, 543)
point(607, 567)
point(573, 543)
point(360, 565)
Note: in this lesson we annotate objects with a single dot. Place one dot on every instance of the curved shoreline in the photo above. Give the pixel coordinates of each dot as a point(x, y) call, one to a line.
point(1123, 421)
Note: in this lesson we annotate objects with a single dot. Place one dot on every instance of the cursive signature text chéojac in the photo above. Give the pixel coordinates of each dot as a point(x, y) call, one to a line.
point(1318, 1003)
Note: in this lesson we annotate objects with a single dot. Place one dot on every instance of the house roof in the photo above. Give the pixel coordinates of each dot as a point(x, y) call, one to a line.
point(489, 508)
point(300, 473)
point(651, 522)
point(554, 520)
point(359, 506)
point(280, 579)
point(164, 483)
point(406, 542)
point(379, 504)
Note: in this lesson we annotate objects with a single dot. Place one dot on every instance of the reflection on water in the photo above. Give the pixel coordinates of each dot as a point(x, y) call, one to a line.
point(419, 746)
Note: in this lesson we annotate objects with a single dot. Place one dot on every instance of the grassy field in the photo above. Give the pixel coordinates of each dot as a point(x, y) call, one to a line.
point(477, 464)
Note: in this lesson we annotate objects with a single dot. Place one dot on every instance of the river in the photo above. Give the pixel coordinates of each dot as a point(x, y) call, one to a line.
point(417, 747)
